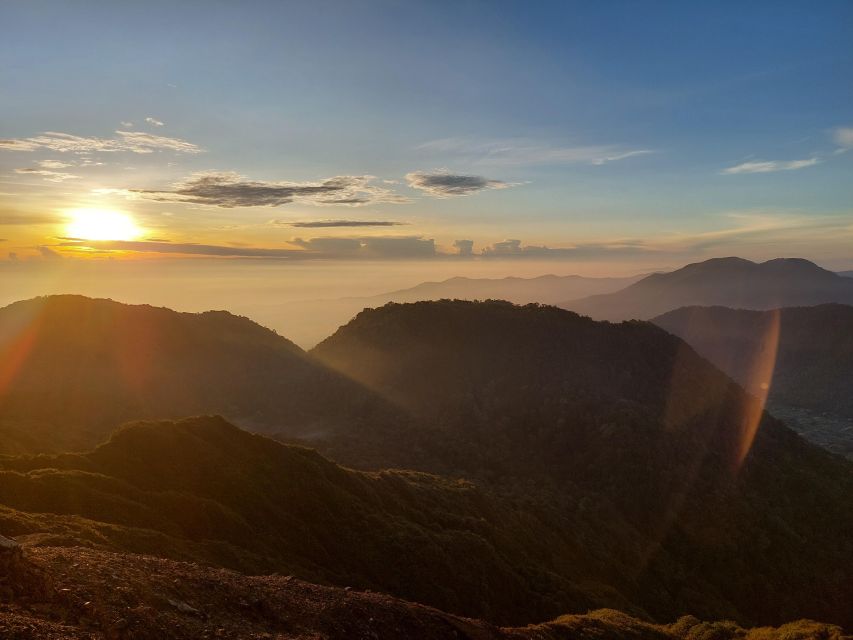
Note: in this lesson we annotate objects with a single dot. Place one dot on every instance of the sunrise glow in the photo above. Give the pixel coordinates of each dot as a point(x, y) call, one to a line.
point(101, 224)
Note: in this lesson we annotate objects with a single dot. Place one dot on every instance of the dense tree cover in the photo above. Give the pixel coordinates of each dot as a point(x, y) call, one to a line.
point(607, 460)
point(541, 401)
point(202, 489)
point(813, 371)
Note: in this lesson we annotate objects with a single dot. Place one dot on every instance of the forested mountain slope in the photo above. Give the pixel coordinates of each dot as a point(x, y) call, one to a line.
point(72, 368)
point(812, 360)
point(537, 396)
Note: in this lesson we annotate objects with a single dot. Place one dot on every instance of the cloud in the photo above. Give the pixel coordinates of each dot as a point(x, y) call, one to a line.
point(49, 254)
point(25, 219)
point(154, 121)
point(126, 124)
point(132, 141)
point(514, 249)
point(228, 189)
point(395, 247)
point(464, 247)
point(370, 247)
point(53, 164)
point(769, 166)
point(443, 184)
point(843, 137)
point(322, 248)
point(188, 248)
point(324, 224)
point(523, 151)
point(47, 174)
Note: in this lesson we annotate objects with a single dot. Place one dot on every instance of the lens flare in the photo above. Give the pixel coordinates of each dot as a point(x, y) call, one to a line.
point(758, 382)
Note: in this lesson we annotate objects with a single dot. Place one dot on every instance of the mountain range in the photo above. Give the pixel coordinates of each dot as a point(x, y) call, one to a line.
point(555, 464)
point(307, 322)
point(90, 365)
point(728, 282)
point(812, 368)
point(580, 464)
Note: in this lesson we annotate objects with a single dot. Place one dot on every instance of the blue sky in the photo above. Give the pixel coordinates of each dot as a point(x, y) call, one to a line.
point(596, 130)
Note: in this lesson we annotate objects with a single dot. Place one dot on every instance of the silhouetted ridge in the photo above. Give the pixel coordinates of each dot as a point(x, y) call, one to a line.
point(75, 367)
point(630, 419)
point(731, 282)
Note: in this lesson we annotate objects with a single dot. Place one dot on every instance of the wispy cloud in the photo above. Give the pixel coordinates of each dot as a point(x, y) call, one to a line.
point(154, 122)
point(769, 166)
point(131, 141)
point(522, 151)
point(843, 137)
point(322, 248)
point(442, 184)
point(53, 164)
point(370, 247)
point(229, 189)
point(756, 227)
point(26, 219)
point(514, 248)
point(47, 174)
point(324, 224)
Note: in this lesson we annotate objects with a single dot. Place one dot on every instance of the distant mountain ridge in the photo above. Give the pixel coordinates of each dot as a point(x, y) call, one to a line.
point(812, 383)
point(729, 282)
point(308, 322)
point(546, 289)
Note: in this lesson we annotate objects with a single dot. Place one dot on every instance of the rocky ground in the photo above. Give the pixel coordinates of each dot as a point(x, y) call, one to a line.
point(54, 593)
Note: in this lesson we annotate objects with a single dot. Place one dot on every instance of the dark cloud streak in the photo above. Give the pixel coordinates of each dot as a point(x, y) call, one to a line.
point(229, 190)
point(326, 224)
point(443, 184)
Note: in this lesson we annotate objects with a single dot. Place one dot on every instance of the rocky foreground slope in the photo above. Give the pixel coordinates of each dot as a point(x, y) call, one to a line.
point(63, 593)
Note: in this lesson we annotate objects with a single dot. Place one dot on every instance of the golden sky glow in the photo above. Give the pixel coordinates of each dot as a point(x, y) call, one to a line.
point(101, 224)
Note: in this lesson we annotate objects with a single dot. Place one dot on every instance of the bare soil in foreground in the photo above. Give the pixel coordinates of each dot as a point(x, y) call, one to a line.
point(53, 593)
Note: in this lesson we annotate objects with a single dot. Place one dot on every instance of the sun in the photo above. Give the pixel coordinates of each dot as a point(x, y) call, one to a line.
point(101, 224)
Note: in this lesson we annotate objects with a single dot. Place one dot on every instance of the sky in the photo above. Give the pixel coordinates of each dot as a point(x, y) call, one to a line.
point(499, 138)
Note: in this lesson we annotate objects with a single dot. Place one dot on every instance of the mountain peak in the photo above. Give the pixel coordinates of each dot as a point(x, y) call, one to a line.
point(729, 281)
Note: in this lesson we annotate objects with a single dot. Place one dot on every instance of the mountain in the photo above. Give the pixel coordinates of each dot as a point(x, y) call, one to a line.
point(585, 464)
point(812, 371)
point(547, 289)
point(307, 322)
point(72, 368)
point(846, 274)
point(728, 282)
point(127, 596)
point(203, 490)
point(589, 416)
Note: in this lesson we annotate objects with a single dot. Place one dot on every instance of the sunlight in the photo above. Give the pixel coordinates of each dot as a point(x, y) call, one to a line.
point(101, 224)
